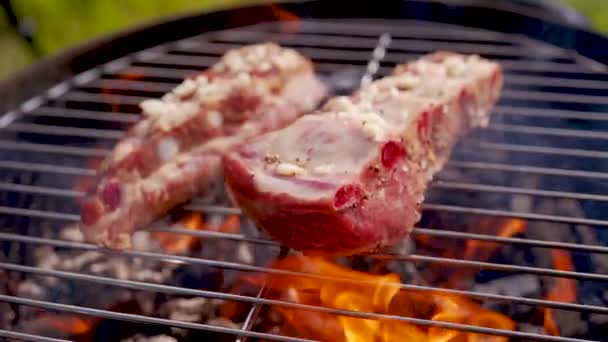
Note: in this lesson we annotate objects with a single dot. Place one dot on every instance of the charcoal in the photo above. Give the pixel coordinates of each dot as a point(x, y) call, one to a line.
point(31, 289)
point(570, 323)
point(198, 306)
point(71, 233)
point(589, 236)
point(244, 254)
point(598, 319)
point(531, 328)
point(222, 322)
point(592, 293)
point(524, 285)
point(80, 261)
point(7, 315)
point(198, 277)
point(158, 338)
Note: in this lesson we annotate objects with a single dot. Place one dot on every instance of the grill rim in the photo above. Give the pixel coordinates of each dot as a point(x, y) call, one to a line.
point(28, 84)
point(239, 331)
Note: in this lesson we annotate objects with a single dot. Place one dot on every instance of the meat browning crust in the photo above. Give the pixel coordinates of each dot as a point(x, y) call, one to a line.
point(174, 152)
point(350, 179)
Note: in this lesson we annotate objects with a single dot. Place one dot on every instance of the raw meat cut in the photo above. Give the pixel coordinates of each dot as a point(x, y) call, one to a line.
point(350, 178)
point(175, 152)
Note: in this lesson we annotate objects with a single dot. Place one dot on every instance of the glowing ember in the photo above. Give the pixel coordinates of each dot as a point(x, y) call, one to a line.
point(282, 14)
point(68, 325)
point(176, 243)
point(293, 23)
point(563, 290)
point(130, 76)
point(363, 292)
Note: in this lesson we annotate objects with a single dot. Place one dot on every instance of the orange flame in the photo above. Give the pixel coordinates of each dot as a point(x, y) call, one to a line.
point(176, 243)
point(563, 290)
point(483, 250)
point(180, 243)
point(475, 250)
point(358, 291)
point(286, 16)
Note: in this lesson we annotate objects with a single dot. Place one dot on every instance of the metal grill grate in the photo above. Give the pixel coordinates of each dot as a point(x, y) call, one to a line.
point(549, 127)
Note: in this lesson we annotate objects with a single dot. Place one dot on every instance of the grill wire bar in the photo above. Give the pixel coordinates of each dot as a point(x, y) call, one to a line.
point(100, 107)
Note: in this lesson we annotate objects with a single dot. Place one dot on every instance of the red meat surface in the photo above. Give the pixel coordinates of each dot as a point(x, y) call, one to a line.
point(350, 178)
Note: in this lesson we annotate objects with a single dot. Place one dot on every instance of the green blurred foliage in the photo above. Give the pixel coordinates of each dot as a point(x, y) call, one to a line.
point(595, 10)
point(15, 54)
point(61, 23)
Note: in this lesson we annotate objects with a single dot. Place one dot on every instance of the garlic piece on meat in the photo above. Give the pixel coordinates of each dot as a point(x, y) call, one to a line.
point(212, 92)
point(289, 58)
point(288, 170)
point(343, 104)
point(257, 53)
point(265, 66)
point(324, 169)
point(122, 150)
point(422, 67)
point(202, 80)
point(153, 107)
point(244, 78)
point(215, 119)
point(407, 82)
point(186, 88)
point(170, 97)
point(455, 66)
point(235, 61)
point(372, 125)
point(176, 113)
point(372, 131)
point(168, 149)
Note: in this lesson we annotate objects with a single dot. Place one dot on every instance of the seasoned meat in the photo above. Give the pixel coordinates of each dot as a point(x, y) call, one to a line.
point(350, 178)
point(174, 153)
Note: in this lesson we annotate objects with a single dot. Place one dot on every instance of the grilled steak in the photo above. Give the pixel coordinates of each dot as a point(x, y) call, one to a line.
point(174, 153)
point(350, 178)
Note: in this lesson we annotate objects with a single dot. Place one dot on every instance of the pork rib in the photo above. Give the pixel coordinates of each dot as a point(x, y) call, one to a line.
point(350, 178)
point(174, 153)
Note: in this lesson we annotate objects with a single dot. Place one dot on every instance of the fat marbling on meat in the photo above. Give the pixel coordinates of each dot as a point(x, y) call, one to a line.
point(350, 178)
point(174, 153)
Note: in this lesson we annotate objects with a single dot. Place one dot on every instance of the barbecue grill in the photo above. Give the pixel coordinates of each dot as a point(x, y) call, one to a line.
point(541, 161)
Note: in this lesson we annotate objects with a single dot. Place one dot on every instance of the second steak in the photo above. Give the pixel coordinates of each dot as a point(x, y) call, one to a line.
point(174, 152)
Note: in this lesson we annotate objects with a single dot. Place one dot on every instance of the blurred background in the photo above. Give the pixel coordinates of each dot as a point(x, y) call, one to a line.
point(32, 29)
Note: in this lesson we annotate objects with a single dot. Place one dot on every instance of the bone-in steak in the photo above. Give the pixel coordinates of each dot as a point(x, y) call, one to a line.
point(351, 177)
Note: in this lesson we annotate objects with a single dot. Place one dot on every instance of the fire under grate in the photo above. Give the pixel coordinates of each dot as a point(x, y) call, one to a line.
point(541, 162)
